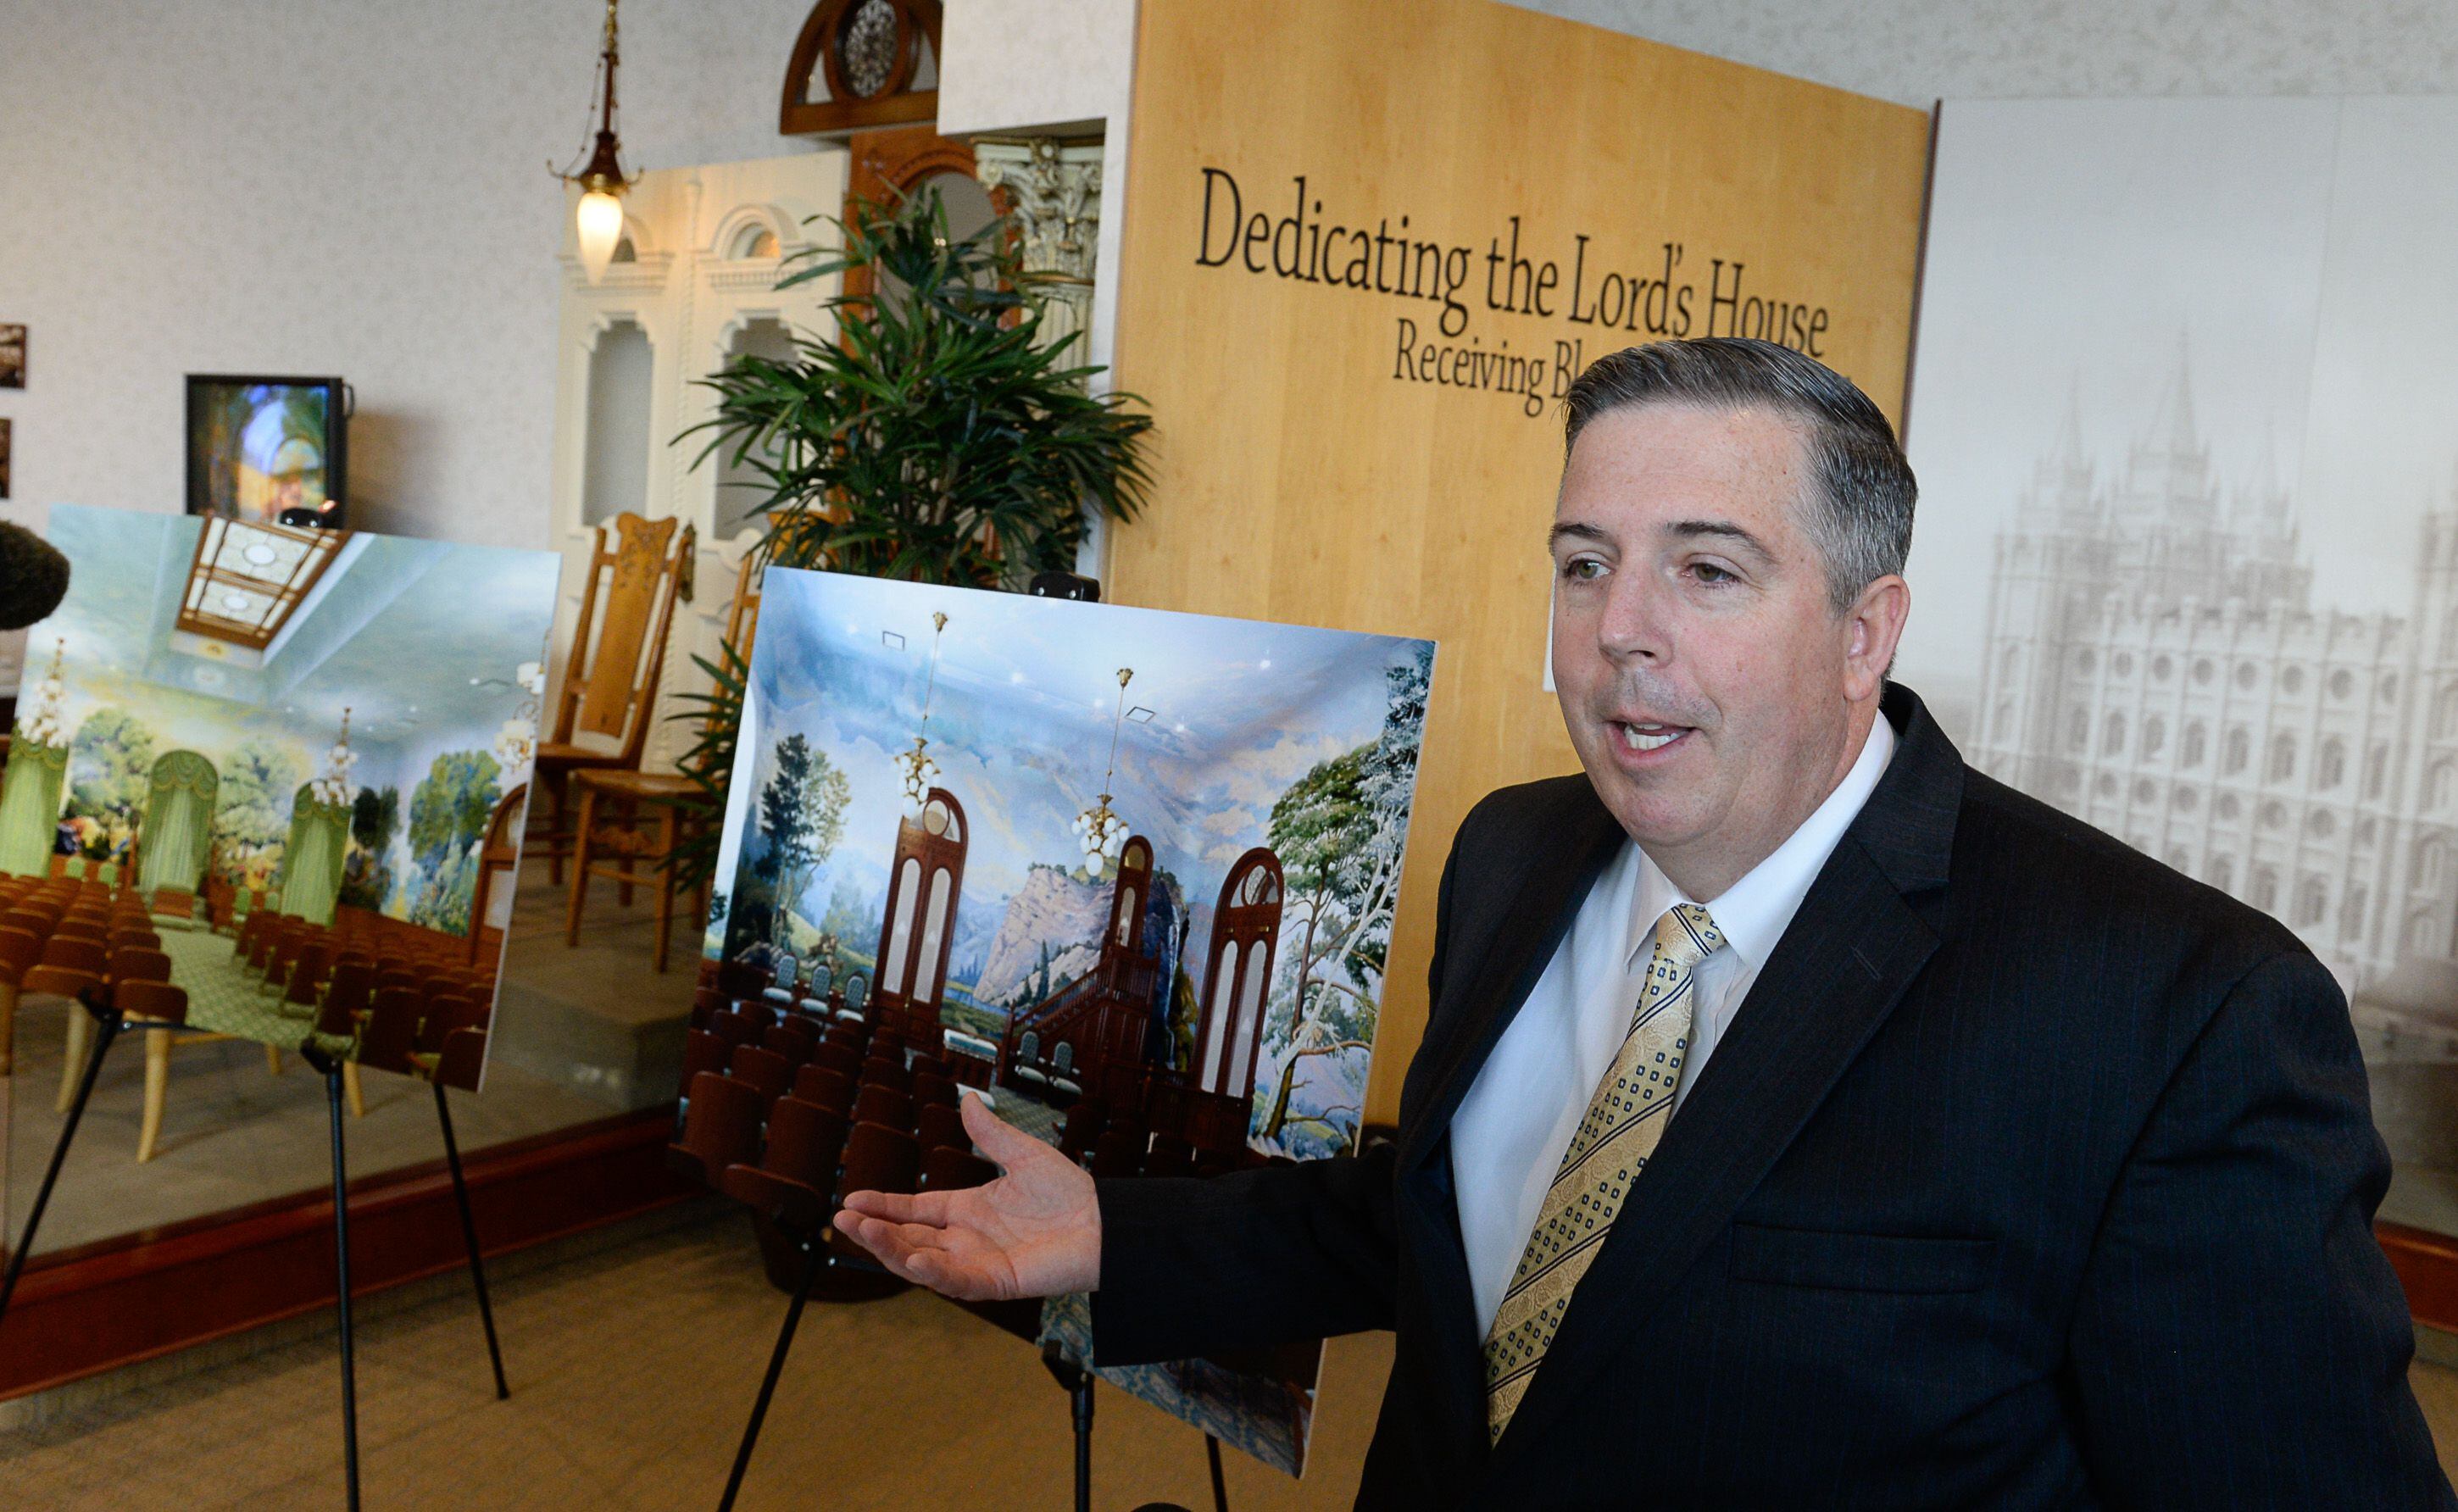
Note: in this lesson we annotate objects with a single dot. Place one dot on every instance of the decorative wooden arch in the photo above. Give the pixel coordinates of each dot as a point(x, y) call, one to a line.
point(1246, 939)
point(918, 930)
point(819, 49)
point(1130, 897)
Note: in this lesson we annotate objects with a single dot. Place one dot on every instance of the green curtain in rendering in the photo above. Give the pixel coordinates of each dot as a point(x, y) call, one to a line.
point(311, 863)
point(30, 805)
point(177, 832)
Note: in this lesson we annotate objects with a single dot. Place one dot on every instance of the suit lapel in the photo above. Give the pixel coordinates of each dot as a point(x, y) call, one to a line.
point(1850, 951)
point(1495, 975)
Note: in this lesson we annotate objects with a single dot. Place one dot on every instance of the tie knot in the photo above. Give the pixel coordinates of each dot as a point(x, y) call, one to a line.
point(1687, 935)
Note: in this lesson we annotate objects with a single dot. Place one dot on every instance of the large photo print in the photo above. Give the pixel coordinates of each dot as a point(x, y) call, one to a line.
point(270, 781)
point(2187, 562)
point(1130, 873)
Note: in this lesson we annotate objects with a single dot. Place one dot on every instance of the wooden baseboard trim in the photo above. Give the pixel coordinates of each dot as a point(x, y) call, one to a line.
point(120, 1301)
point(2427, 1264)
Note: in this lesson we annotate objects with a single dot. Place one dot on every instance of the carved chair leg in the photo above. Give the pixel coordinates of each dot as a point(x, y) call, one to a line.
point(157, 1089)
point(273, 1058)
point(580, 867)
point(356, 1093)
point(72, 1064)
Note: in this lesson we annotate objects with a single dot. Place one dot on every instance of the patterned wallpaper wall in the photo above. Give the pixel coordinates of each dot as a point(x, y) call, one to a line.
point(1919, 50)
point(300, 186)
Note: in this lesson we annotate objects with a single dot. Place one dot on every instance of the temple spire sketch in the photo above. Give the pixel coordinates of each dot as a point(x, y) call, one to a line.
point(2154, 664)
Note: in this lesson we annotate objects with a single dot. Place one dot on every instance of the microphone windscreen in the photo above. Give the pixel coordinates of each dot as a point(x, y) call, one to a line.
point(34, 577)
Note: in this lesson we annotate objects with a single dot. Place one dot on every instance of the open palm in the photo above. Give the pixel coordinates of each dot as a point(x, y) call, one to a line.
point(1035, 1231)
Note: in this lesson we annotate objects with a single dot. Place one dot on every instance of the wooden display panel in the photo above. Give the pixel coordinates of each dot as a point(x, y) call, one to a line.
point(1317, 456)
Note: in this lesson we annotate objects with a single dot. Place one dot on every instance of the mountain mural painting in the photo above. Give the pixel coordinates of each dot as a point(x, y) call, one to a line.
point(1132, 874)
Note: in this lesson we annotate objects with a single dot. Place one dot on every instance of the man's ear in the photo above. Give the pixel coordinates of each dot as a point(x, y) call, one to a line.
point(1872, 629)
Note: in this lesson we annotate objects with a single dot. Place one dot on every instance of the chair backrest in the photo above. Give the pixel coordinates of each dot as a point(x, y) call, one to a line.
point(788, 971)
point(1086, 1121)
point(930, 1088)
point(829, 1089)
point(19, 949)
point(308, 972)
point(74, 954)
point(391, 1030)
point(821, 978)
point(734, 1028)
point(947, 1168)
point(146, 938)
point(1062, 1059)
point(722, 1125)
point(792, 1041)
point(137, 963)
point(880, 1071)
point(703, 1052)
point(463, 1057)
point(879, 1158)
point(446, 1012)
point(96, 929)
point(497, 858)
point(883, 1105)
point(627, 605)
point(762, 1069)
point(349, 992)
point(942, 1126)
point(1027, 1045)
point(857, 987)
point(1169, 1156)
point(1118, 1152)
point(805, 1143)
point(159, 1001)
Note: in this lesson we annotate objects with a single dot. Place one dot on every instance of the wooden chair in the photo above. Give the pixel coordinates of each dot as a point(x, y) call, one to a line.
point(497, 860)
point(70, 968)
point(613, 804)
point(21, 950)
point(618, 653)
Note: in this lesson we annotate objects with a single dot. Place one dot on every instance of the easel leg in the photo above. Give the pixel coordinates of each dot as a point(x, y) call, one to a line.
point(470, 1237)
point(332, 1070)
point(109, 1022)
point(811, 1257)
point(1078, 1382)
point(1219, 1484)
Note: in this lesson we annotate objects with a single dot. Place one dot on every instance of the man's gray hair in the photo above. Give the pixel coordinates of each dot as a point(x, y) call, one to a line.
point(1862, 519)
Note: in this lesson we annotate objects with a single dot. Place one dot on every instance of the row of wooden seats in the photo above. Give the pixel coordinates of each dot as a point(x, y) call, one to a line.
point(1123, 1147)
point(397, 1012)
point(55, 936)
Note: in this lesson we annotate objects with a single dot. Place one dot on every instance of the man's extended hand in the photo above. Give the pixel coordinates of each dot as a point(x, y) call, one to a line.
point(1035, 1231)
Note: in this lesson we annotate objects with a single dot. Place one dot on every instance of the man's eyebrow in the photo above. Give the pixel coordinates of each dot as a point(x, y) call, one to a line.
point(1722, 530)
point(1576, 529)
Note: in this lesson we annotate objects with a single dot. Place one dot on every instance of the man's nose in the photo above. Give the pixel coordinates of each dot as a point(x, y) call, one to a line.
point(1636, 625)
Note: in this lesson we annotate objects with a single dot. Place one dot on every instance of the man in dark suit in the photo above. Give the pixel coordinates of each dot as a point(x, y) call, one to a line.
point(1804, 1118)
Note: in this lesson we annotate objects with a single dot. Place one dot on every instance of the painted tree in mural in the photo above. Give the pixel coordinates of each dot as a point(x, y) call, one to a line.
point(802, 818)
point(448, 811)
point(1340, 832)
point(109, 760)
point(375, 820)
point(254, 820)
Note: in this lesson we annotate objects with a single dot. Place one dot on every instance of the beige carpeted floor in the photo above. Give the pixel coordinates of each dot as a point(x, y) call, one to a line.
point(632, 1369)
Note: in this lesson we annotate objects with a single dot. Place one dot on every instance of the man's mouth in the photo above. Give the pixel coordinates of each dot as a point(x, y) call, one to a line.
point(1638, 739)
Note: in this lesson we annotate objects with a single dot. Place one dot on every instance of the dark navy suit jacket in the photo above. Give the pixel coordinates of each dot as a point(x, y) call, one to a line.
point(2031, 1173)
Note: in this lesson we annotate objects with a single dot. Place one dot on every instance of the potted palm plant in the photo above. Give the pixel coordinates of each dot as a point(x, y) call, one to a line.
point(934, 438)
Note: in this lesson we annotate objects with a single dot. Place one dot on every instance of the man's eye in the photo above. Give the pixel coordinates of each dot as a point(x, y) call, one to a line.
point(1583, 568)
point(1710, 573)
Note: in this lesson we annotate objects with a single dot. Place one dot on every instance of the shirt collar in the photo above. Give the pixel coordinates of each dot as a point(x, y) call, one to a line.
point(1753, 912)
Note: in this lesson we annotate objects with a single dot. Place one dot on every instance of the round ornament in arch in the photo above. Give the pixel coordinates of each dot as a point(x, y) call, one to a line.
point(2292, 681)
point(862, 63)
point(2204, 669)
point(2107, 785)
point(2085, 663)
point(2343, 685)
point(2230, 806)
point(2273, 815)
point(2185, 800)
point(2247, 674)
point(2164, 667)
point(2321, 825)
point(2122, 664)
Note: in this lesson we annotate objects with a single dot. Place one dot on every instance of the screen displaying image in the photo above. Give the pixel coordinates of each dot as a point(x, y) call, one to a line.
point(285, 769)
point(266, 449)
point(1130, 873)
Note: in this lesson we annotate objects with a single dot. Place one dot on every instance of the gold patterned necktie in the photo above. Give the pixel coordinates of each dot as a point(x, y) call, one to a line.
point(1624, 1120)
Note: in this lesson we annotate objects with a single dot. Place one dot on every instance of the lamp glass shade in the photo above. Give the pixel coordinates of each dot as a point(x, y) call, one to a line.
point(600, 228)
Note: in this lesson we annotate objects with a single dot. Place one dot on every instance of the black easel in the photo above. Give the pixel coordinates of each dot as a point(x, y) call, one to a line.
point(1077, 1381)
point(331, 1070)
point(108, 1024)
point(813, 1260)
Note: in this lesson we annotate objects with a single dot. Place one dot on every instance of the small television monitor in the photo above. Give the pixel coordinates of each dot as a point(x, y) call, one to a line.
point(272, 450)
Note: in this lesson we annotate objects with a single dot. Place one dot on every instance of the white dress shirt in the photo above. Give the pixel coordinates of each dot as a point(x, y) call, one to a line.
point(1511, 1129)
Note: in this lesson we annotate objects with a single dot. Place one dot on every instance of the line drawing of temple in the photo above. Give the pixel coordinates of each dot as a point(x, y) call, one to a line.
point(2153, 665)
